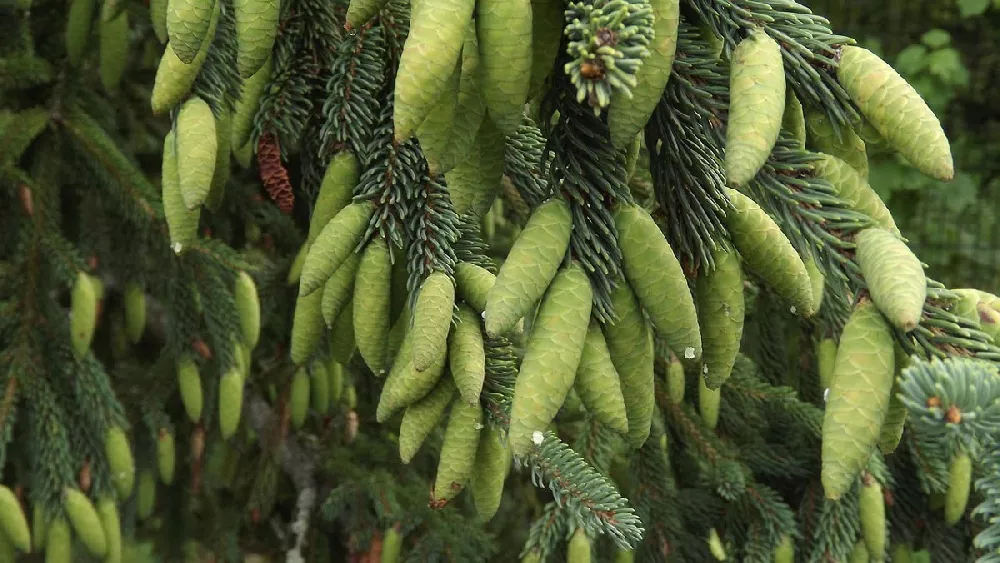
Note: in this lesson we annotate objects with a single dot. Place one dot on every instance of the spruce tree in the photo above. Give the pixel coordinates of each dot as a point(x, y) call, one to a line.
point(491, 280)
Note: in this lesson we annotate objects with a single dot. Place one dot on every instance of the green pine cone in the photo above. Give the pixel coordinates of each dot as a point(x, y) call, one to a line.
point(121, 466)
point(504, 31)
point(298, 398)
point(135, 311)
point(405, 385)
point(896, 111)
point(473, 284)
point(223, 154)
point(630, 342)
point(83, 313)
point(86, 523)
point(467, 355)
point(470, 110)
point(708, 404)
point(334, 244)
point(597, 382)
point(246, 107)
point(822, 137)
point(489, 472)
point(756, 106)
point(341, 339)
point(431, 51)
point(858, 398)
point(319, 390)
point(959, 488)
point(872, 512)
point(432, 316)
point(113, 48)
point(793, 121)
point(189, 383)
point(174, 77)
point(196, 149)
point(458, 452)
point(656, 276)
point(248, 307)
point(551, 357)
point(166, 455)
point(360, 11)
point(59, 542)
point(13, 523)
point(627, 117)
point(475, 182)
point(230, 402)
point(339, 289)
point(307, 327)
point(182, 223)
point(421, 417)
point(768, 253)
point(335, 191)
point(372, 295)
point(530, 266)
point(721, 310)
point(437, 129)
point(188, 23)
point(853, 188)
point(256, 29)
point(894, 275)
point(111, 524)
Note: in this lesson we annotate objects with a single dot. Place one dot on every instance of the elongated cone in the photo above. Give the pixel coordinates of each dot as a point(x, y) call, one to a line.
point(552, 357)
point(757, 103)
point(372, 295)
point(721, 310)
point(896, 111)
point(858, 398)
point(852, 187)
point(655, 275)
point(334, 244)
point(458, 452)
point(842, 143)
point(489, 472)
point(959, 487)
point(256, 29)
point(188, 23)
point(504, 31)
point(421, 417)
point(630, 342)
point(597, 382)
point(13, 523)
point(530, 266)
point(432, 316)
point(894, 275)
point(430, 53)
point(627, 117)
point(196, 149)
point(872, 512)
point(174, 77)
point(360, 11)
point(467, 354)
point(768, 253)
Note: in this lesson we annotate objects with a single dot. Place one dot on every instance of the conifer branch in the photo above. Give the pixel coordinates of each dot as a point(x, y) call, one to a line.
point(590, 175)
point(582, 490)
point(352, 92)
point(808, 46)
point(684, 140)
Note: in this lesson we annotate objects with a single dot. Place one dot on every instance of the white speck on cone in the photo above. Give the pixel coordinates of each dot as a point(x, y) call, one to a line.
point(537, 437)
point(689, 353)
